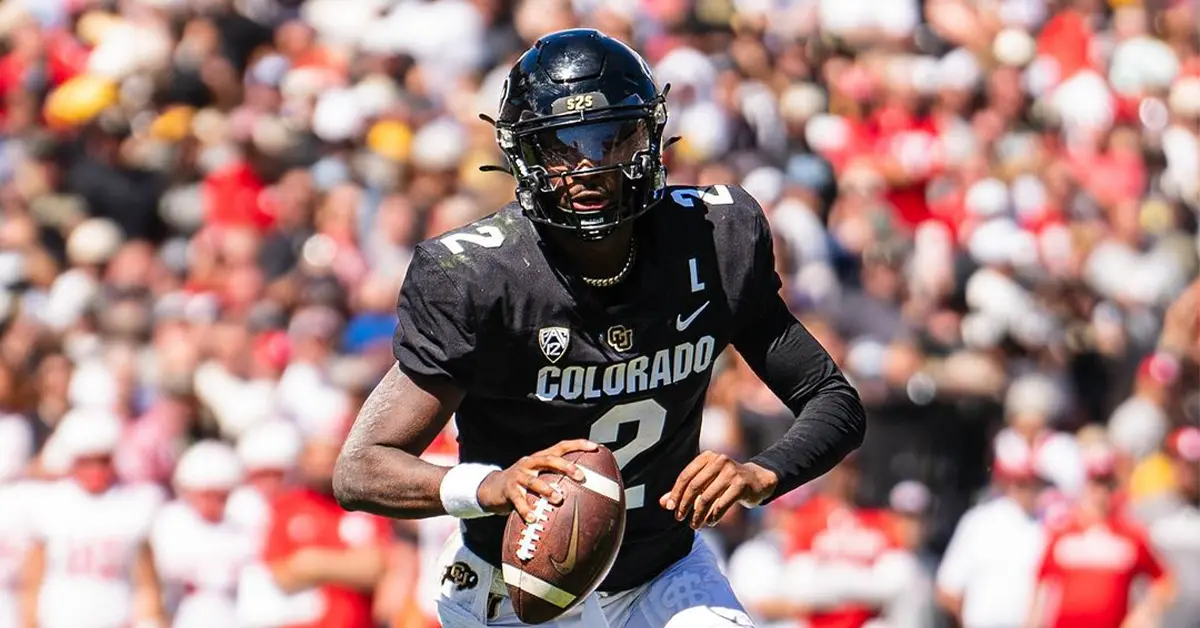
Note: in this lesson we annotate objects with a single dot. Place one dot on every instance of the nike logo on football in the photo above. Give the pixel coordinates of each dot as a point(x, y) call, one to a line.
point(567, 565)
point(683, 323)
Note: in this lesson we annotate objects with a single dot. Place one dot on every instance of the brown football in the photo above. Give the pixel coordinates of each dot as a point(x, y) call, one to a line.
point(551, 565)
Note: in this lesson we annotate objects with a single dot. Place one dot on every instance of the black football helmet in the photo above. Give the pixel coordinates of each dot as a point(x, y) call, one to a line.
point(581, 125)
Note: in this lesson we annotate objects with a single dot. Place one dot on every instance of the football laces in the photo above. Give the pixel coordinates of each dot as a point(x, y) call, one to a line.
point(527, 545)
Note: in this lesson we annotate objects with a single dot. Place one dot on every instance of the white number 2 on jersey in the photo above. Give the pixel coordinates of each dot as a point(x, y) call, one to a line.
point(487, 236)
point(712, 195)
point(650, 417)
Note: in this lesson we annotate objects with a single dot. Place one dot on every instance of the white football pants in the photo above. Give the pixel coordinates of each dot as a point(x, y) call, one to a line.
point(692, 593)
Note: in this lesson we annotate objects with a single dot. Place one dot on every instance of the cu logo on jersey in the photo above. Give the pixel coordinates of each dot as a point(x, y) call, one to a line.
point(620, 338)
point(554, 341)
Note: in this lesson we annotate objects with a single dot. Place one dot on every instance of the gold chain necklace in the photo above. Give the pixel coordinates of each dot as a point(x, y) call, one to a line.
point(621, 275)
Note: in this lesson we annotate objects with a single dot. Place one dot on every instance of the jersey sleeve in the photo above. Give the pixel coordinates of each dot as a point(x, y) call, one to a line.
point(830, 420)
point(1148, 563)
point(435, 337)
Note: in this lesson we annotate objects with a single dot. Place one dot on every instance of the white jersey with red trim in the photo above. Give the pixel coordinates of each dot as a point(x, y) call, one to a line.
point(433, 532)
point(91, 544)
point(249, 510)
point(14, 543)
point(199, 562)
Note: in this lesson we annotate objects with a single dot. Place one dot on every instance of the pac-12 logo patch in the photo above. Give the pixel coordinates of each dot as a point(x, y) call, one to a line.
point(554, 341)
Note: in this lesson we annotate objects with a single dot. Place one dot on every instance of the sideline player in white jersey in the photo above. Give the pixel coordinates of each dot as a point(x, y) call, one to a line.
point(199, 553)
point(90, 565)
point(433, 532)
point(16, 441)
point(268, 453)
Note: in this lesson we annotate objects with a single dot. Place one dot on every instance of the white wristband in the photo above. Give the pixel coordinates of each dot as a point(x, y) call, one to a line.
point(460, 489)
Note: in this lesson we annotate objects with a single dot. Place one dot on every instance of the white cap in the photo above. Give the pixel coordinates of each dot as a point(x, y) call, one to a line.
point(1014, 47)
point(705, 130)
point(826, 132)
point(338, 116)
point(1084, 102)
point(321, 412)
point(687, 67)
point(275, 444)
point(865, 358)
point(765, 184)
point(209, 465)
point(1034, 394)
point(993, 241)
point(439, 145)
point(1142, 63)
point(959, 70)
point(801, 101)
point(84, 432)
point(910, 497)
point(92, 385)
point(1029, 196)
point(375, 94)
point(1137, 427)
point(987, 198)
point(94, 241)
point(981, 331)
point(70, 295)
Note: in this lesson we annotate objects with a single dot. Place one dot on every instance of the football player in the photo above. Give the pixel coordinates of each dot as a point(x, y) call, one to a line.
point(591, 311)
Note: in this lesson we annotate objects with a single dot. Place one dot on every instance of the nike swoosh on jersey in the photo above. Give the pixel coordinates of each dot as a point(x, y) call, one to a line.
point(567, 565)
point(683, 323)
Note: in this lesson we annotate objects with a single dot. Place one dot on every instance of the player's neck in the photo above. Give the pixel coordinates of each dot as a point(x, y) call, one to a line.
point(599, 259)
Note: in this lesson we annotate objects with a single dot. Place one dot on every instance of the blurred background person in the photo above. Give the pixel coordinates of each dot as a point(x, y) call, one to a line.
point(1172, 522)
point(986, 577)
point(90, 563)
point(845, 566)
point(199, 553)
point(268, 454)
point(987, 212)
point(16, 497)
point(313, 545)
point(1091, 563)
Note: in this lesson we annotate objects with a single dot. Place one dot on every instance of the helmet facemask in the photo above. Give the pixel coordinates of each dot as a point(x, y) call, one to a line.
point(588, 171)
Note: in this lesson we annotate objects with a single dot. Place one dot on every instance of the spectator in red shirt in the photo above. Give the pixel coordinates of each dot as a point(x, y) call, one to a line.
point(312, 544)
point(1091, 562)
point(846, 566)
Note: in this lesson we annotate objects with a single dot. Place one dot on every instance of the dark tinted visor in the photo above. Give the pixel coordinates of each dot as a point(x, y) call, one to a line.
point(590, 145)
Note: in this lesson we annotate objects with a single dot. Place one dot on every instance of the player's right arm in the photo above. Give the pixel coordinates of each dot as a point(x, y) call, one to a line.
point(379, 469)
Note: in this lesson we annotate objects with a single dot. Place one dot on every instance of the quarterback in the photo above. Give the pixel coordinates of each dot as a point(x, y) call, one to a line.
point(591, 310)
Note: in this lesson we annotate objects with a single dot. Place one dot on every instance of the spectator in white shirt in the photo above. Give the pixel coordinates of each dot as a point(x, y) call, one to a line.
point(755, 571)
point(986, 578)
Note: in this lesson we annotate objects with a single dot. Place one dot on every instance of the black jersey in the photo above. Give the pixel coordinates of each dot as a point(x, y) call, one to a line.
point(544, 358)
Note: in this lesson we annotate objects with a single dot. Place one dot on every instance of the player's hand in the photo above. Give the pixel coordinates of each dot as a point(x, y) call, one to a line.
point(508, 490)
point(712, 484)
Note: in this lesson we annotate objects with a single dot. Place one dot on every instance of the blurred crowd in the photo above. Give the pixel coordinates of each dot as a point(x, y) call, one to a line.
point(986, 210)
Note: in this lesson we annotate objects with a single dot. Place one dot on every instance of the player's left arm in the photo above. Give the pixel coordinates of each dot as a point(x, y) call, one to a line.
point(829, 418)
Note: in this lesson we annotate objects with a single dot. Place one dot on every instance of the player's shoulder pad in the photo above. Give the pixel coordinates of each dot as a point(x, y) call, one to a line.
point(734, 214)
point(484, 247)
